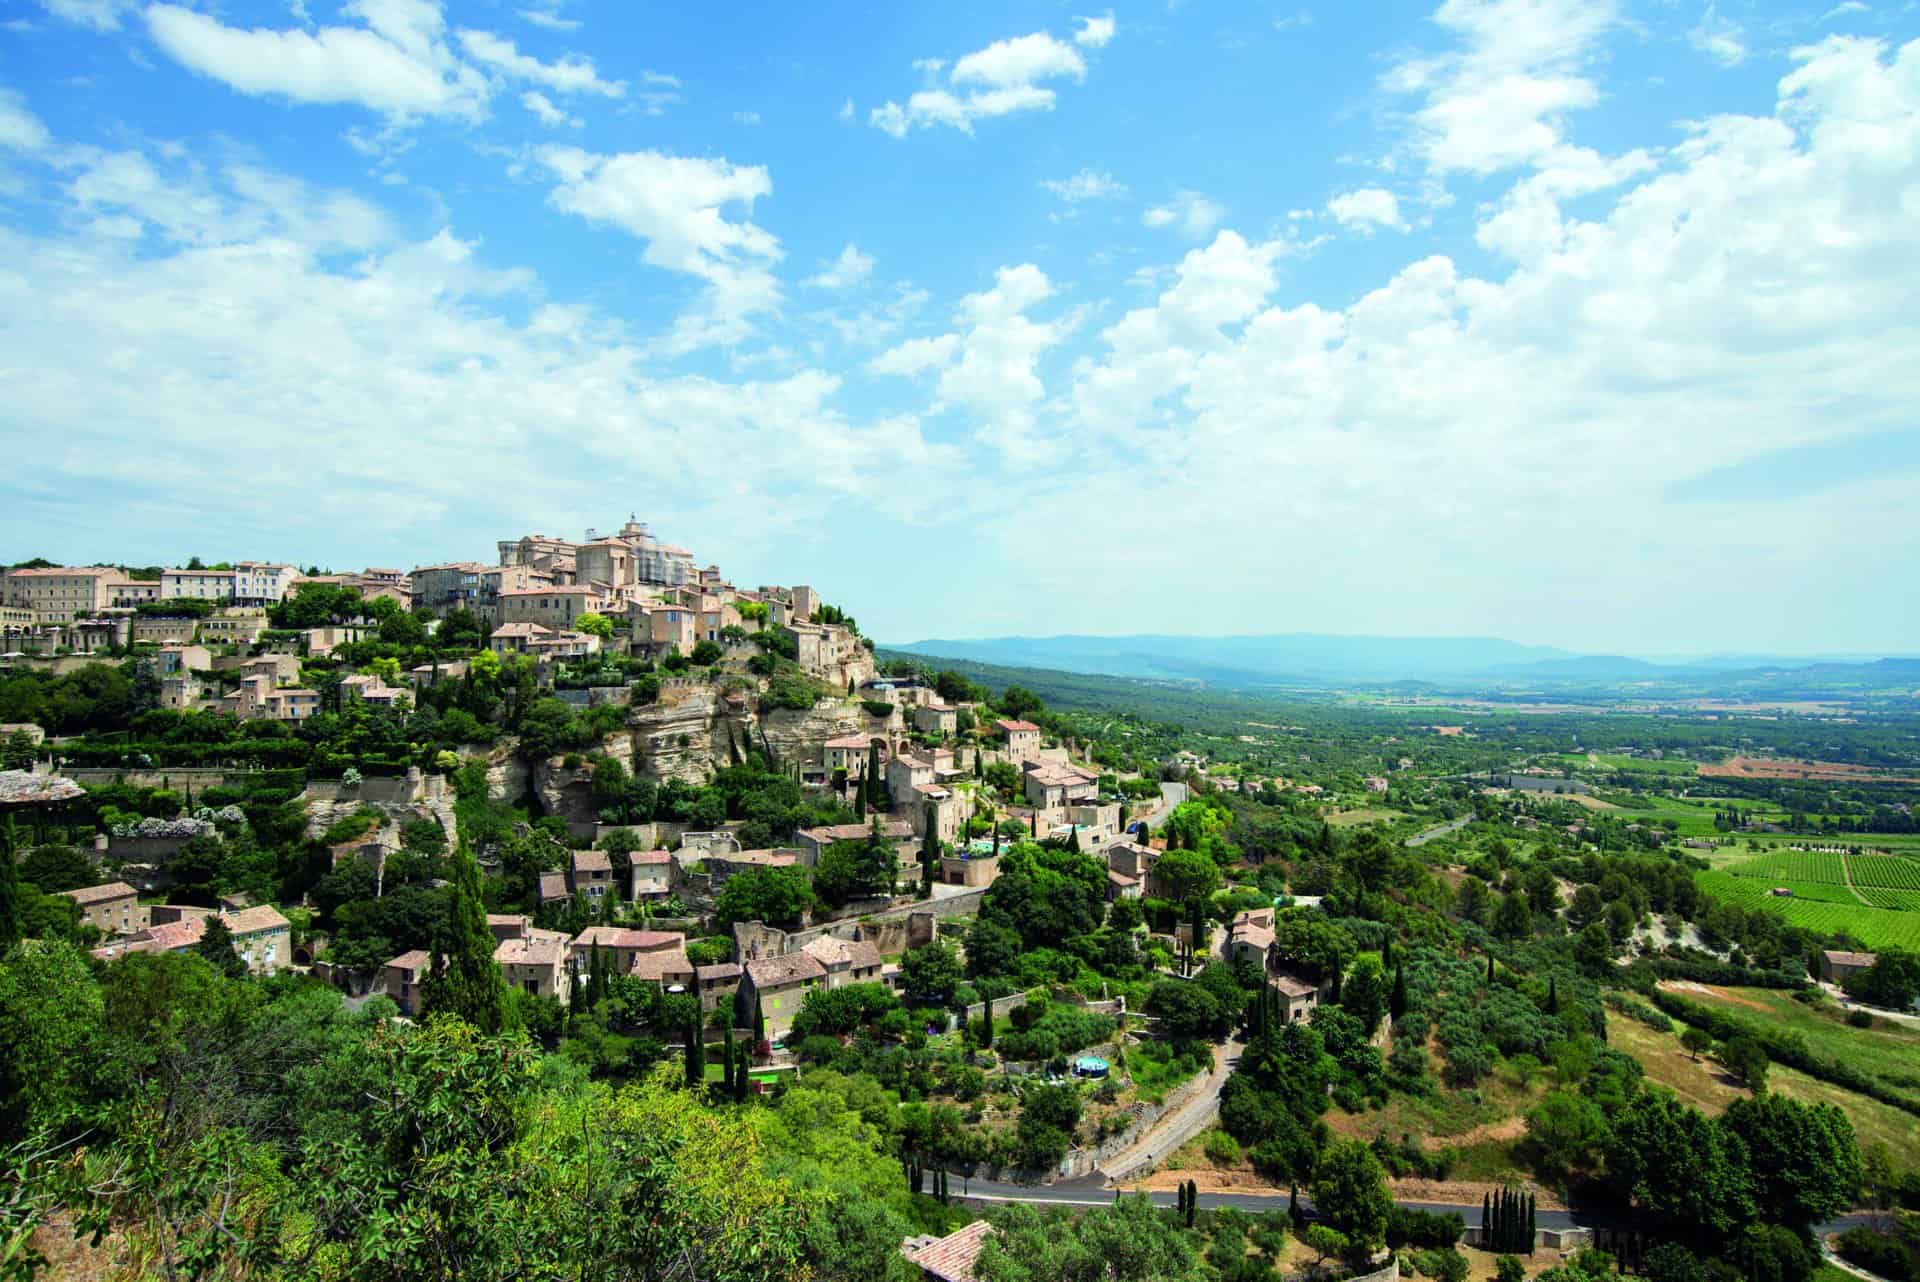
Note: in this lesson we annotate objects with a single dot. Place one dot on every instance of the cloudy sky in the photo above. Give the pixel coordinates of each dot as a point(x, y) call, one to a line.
point(1571, 321)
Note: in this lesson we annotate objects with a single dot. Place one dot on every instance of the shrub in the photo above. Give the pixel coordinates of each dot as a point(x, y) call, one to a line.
point(1222, 1149)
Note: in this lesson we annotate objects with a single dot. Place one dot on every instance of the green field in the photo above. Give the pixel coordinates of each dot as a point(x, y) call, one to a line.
point(1826, 875)
point(1614, 763)
point(1834, 912)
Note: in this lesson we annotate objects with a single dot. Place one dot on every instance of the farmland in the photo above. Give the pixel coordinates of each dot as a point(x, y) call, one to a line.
point(1831, 913)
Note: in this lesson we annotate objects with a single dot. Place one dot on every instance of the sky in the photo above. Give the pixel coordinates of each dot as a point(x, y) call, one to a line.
point(1577, 322)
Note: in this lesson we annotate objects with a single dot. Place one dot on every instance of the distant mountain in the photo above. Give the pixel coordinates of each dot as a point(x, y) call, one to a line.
point(1302, 657)
point(1320, 660)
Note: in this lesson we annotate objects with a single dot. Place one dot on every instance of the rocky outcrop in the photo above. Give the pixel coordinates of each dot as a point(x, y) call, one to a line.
point(796, 736)
point(674, 738)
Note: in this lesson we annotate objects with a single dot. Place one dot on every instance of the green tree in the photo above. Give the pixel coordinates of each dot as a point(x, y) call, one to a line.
point(1508, 1268)
point(10, 894)
point(1187, 874)
point(1365, 993)
point(464, 980)
point(1805, 1160)
point(930, 973)
point(1349, 1189)
point(593, 624)
point(216, 945)
point(1513, 919)
point(1746, 1059)
point(1696, 1041)
point(777, 896)
point(1126, 1242)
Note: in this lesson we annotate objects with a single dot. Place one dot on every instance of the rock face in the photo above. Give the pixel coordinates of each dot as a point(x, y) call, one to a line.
point(673, 738)
point(694, 730)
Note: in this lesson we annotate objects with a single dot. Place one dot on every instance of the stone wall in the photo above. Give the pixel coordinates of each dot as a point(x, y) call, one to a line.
point(175, 778)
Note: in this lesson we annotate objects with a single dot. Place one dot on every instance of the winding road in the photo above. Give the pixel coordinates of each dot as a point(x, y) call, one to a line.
point(1453, 825)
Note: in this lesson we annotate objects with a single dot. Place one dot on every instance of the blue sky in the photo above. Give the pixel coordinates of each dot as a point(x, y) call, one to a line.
point(1573, 321)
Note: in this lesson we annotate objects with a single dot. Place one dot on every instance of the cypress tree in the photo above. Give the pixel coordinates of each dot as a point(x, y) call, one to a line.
point(1531, 1229)
point(742, 1084)
point(873, 774)
point(1486, 1220)
point(986, 1035)
point(10, 926)
point(1397, 1000)
point(1386, 953)
point(696, 1055)
point(464, 980)
point(1033, 825)
point(1073, 839)
point(1553, 995)
point(726, 1065)
point(1489, 968)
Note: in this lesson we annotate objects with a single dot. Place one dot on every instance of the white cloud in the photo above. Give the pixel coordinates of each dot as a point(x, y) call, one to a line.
point(398, 64)
point(571, 74)
point(748, 118)
point(846, 111)
point(1293, 21)
point(1844, 8)
point(1000, 80)
point(988, 366)
point(1094, 33)
point(550, 18)
point(1502, 96)
point(231, 330)
point(677, 205)
point(100, 15)
point(1088, 184)
point(542, 106)
point(1720, 39)
point(844, 272)
point(1366, 209)
point(20, 129)
point(1193, 214)
point(1746, 291)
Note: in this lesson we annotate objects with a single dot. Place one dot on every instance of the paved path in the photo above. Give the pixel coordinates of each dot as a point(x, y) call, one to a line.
point(1177, 1126)
point(1421, 839)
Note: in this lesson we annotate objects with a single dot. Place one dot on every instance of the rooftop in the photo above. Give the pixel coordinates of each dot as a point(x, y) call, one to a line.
point(1018, 726)
point(950, 1258)
point(22, 788)
point(249, 920)
point(857, 954)
point(414, 960)
point(100, 893)
point(1842, 958)
point(794, 968)
point(539, 948)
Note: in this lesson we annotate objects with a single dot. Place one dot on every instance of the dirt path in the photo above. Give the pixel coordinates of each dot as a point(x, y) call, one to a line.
point(1846, 875)
point(1178, 1126)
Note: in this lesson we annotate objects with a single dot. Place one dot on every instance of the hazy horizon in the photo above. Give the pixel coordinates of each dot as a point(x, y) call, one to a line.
point(1581, 320)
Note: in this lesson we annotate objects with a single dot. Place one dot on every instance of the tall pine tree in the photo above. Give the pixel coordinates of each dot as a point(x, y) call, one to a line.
point(464, 980)
point(11, 926)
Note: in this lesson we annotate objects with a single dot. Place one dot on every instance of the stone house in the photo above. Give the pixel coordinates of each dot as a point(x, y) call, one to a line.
point(509, 925)
point(904, 773)
point(723, 864)
point(591, 874)
point(899, 831)
point(1297, 996)
point(1837, 964)
point(112, 908)
point(848, 753)
point(1135, 861)
point(778, 986)
point(969, 870)
point(846, 961)
point(1022, 739)
point(1054, 785)
point(364, 687)
point(402, 978)
point(262, 937)
point(536, 963)
point(321, 642)
point(936, 718)
point(1122, 886)
point(620, 947)
point(650, 875)
point(175, 660)
point(717, 984)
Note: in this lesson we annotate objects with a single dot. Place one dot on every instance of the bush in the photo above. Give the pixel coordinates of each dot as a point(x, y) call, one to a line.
point(1860, 1018)
point(1222, 1149)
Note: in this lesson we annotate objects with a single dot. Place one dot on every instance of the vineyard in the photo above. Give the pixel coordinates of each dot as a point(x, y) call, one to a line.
point(1874, 898)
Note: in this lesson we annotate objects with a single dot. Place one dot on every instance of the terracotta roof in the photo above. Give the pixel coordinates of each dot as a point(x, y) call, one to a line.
point(249, 920)
point(415, 960)
point(97, 894)
point(719, 970)
point(1260, 937)
point(1293, 987)
point(509, 919)
point(793, 968)
point(1119, 878)
point(541, 948)
point(184, 933)
point(508, 631)
point(895, 828)
point(1017, 725)
point(658, 966)
point(52, 571)
point(592, 861)
point(650, 857)
point(546, 591)
point(622, 937)
point(952, 1257)
point(553, 886)
point(1842, 958)
point(848, 741)
point(856, 954)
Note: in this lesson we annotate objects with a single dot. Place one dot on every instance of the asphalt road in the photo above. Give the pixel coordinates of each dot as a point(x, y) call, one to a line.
point(1421, 839)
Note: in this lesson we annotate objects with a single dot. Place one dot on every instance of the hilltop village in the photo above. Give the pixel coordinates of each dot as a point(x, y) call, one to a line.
point(817, 948)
